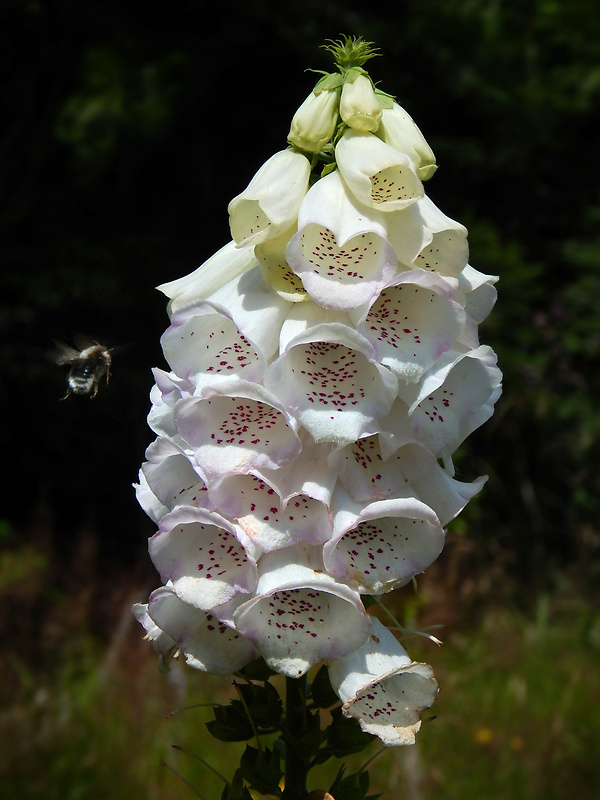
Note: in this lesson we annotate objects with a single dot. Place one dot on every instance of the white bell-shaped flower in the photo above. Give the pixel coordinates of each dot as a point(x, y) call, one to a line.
point(412, 323)
point(226, 264)
point(382, 545)
point(236, 426)
point(447, 251)
point(370, 472)
point(169, 479)
point(204, 345)
point(199, 553)
point(206, 643)
point(377, 175)
point(477, 293)
point(383, 689)
point(299, 614)
point(340, 251)
point(330, 379)
point(455, 397)
point(270, 203)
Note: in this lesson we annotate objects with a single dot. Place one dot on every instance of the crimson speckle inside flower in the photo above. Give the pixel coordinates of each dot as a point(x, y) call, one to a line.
point(345, 263)
point(389, 184)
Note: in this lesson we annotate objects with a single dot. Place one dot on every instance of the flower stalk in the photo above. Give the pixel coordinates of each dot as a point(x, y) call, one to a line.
point(297, 763)
point(324, 366)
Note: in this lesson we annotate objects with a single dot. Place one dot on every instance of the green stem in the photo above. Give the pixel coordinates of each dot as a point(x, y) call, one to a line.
point(296, 765)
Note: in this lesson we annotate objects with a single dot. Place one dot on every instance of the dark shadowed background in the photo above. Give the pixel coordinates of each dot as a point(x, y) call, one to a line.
point(127, 129)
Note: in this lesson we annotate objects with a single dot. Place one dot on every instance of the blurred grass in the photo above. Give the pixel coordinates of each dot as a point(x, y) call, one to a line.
point(515, 719)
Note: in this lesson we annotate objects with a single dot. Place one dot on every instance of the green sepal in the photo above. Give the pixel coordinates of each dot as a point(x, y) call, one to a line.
point(353, 73)
point(321, 692)
point(329, 81)
point(384, 99)
point(261, 770)
point(327, 169)
point(350, 51)
point(344, 735)
point(369, 600)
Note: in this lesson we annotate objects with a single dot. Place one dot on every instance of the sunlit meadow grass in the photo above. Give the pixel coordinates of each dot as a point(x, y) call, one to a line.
point(516, 718)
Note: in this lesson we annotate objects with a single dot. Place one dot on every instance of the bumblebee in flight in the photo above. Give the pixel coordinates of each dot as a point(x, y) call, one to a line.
point(88, 366)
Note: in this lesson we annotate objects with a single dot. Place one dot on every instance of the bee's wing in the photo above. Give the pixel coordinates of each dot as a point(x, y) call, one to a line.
point(83, 342)
point(64, 354)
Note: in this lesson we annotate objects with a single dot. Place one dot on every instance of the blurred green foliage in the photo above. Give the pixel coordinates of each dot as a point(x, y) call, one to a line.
point(514, 720)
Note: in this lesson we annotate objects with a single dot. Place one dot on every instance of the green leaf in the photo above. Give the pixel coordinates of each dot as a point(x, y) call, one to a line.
point(231, 723)
point(263, 703)
point(351, 787)
point(236, 789)
point(344, 735)
point(261, 769)
point(308, 743)
point(320, 690)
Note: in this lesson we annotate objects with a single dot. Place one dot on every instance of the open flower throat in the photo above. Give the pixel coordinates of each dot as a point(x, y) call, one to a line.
point(324, 367)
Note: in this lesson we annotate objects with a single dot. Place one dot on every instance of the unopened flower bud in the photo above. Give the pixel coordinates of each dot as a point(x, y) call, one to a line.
point(314, 122)
point(400, 131)
point(359, 107)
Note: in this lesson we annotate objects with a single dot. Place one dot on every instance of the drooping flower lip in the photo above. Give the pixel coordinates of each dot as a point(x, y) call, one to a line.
point(455, 397)
point(382, 688)
point(204, 344)
point(206, 643)
point(377, 175)
point(299, 614)
point(382, 545)
point(340, 252)
point(237, 426)
point(379, 468)
point(206, 559)
point(412, 323)
point(267, 519)
point(168, 479)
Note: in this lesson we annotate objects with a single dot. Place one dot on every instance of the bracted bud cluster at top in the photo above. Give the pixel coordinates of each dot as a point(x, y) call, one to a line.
point(324, 366)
